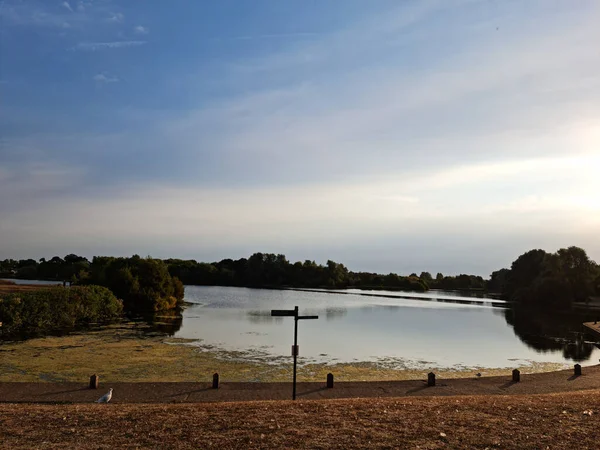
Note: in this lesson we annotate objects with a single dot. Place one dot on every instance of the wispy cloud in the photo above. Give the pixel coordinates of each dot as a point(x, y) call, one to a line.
point(67, 6)
point(94, 46)
point(116, 18)
point(140, 30)
point(103, 77)
point(268, 36)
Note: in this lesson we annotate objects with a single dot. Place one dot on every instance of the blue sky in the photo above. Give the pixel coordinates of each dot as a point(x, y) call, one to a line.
point(392, 136)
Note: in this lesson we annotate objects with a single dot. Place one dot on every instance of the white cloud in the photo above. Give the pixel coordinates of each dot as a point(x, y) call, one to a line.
point(140, 30)
point(329, 212)
point(105, 78)
point(116, 18)
point(94, 46)
point(67, 6)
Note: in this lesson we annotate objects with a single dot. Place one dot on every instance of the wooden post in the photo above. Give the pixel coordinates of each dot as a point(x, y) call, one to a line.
point(431, 379)
point(516, 376)
point(94, 381)
point(215, 381)
point(577, 370)
point(330, 381)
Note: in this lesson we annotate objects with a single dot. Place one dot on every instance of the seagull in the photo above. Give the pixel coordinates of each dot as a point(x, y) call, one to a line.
point(106, 397)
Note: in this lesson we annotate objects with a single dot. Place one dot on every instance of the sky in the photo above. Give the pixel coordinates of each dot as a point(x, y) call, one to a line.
point(392, 136)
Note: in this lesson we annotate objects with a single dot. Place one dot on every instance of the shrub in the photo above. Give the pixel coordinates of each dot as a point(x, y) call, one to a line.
point(57, 308)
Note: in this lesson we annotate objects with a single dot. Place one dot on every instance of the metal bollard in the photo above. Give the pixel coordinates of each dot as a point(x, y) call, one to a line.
point(431, 379)
point(330, 381)
point(516, 375)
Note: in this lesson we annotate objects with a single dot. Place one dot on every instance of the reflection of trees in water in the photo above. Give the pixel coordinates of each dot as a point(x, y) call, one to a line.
point(547, 331)
point(258, 317)
point(167, 322)
point(335, 313)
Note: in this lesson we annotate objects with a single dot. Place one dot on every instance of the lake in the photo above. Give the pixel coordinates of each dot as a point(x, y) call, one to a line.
point(396, 329)
point(436, 329)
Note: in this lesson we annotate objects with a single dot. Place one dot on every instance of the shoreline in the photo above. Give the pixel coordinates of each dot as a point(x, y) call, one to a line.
point(132, 352)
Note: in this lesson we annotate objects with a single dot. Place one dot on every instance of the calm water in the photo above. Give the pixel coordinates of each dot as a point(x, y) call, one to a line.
point(398, 329)
point(436, 329)
point(44, 282)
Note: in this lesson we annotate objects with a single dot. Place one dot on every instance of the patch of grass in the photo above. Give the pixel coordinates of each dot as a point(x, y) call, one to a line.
point(9, 287)
point(128, 352)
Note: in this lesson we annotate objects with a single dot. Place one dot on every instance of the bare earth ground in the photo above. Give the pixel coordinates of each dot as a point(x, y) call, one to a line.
point(553, 421)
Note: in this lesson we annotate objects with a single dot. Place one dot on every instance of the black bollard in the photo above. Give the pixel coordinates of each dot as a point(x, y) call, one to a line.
point(577, 370)
point(431, 379)
point(516, 376)
point(215, 381)
point(94, 381)
point(329, 381)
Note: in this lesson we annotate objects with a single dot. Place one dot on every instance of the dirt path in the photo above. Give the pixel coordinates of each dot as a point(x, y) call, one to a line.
point(542, 383)
point(551, 421)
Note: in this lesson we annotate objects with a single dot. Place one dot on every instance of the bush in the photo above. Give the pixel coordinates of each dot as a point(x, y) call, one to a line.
point(57, 308)
point(144, 284)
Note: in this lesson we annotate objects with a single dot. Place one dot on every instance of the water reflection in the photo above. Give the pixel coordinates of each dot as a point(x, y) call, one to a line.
point(335, 313)
point(544, 331)
point(446, 330)
point(258, 317)
point(164, 322)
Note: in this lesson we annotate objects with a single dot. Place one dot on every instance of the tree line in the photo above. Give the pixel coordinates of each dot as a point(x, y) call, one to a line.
point(536, 277)
point(554, 280)
point(143, 284)
point(259, 270)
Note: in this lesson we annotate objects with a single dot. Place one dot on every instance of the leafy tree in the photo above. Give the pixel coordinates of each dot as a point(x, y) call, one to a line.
point(553, 279)
point(426, 276)
point(144, 284)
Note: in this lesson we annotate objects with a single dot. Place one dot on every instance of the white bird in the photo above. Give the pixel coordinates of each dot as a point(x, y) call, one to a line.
point(106, 397)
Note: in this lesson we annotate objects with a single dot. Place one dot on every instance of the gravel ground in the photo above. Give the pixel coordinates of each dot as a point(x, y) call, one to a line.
point(554, 421)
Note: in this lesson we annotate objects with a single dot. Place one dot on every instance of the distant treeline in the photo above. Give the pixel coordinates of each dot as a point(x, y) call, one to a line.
point(271, 270)
point(536, 277)
point(259, 270)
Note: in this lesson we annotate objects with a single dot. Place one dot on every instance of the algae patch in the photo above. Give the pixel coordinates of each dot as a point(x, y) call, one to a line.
point(130, 352)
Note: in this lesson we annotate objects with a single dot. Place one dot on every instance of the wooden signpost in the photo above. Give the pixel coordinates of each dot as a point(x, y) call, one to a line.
point(293, 313)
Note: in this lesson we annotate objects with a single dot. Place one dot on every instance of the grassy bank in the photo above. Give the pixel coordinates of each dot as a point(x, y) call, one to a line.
point(9, 287)
point(129, 352)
